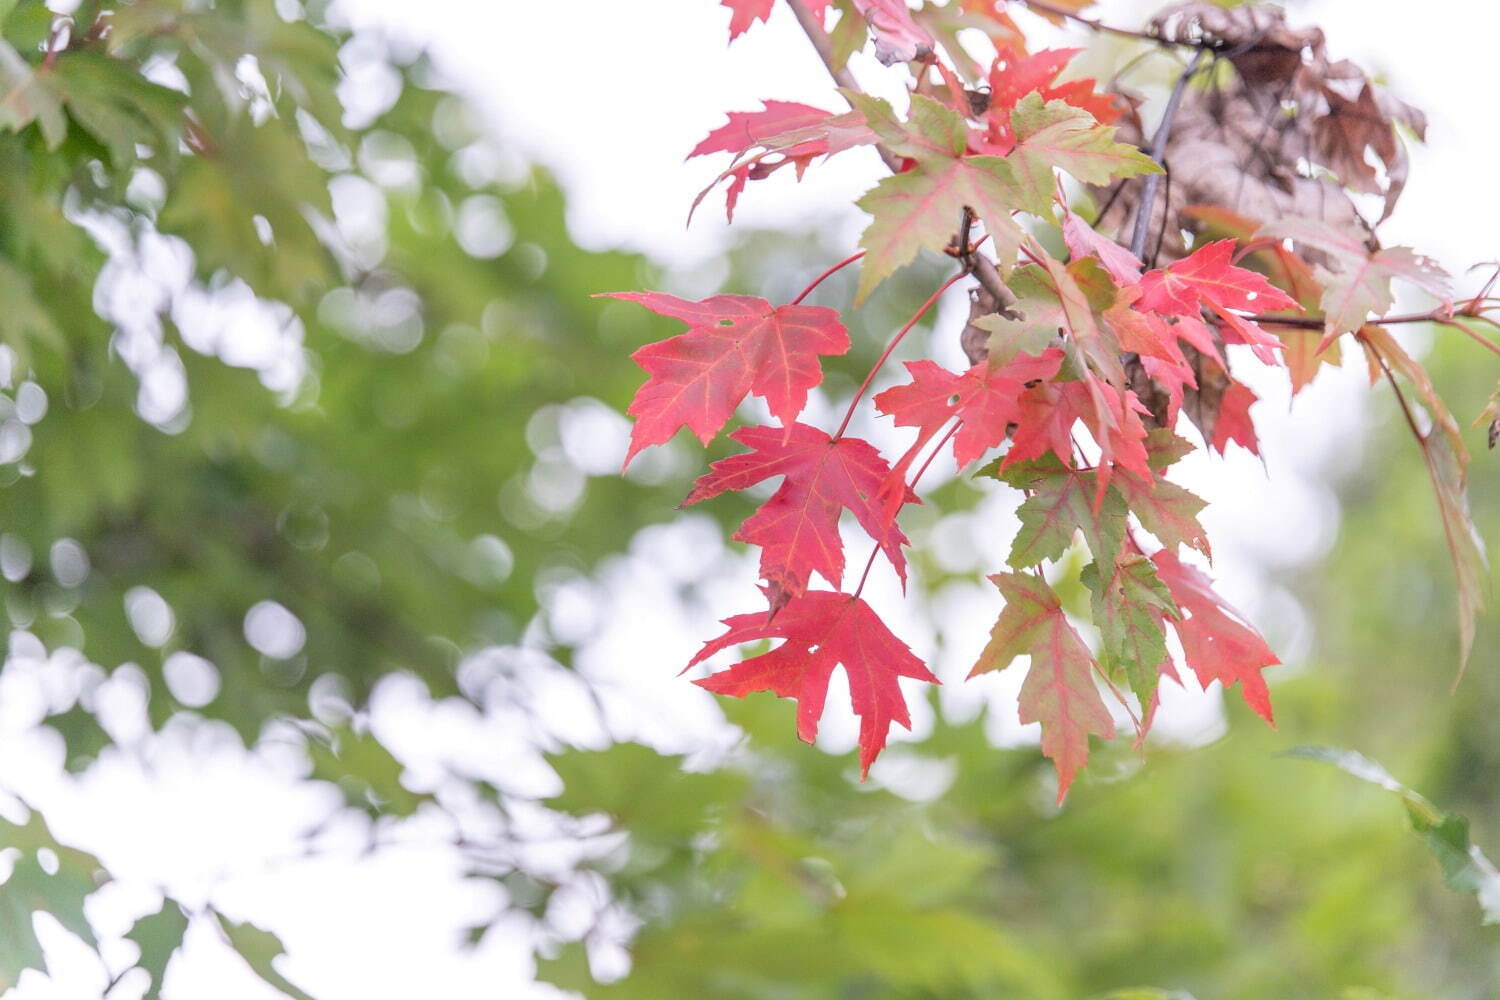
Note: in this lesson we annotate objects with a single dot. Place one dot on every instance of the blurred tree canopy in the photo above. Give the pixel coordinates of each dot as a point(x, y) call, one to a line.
point(303, 388)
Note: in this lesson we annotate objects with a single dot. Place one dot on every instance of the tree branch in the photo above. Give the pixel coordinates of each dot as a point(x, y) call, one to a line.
point(1044, 8)
point(841, 75)
point(980, 266)
point(1318, 323)
point(1156, 152)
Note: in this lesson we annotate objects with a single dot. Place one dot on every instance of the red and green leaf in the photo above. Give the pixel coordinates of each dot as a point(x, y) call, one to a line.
point(1062, 502)
point(1059, 690)
point(1129, 606)
point(1055, 135)
point(1218, 643)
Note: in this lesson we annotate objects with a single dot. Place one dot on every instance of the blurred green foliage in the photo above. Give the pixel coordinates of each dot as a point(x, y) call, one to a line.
point(411, 466)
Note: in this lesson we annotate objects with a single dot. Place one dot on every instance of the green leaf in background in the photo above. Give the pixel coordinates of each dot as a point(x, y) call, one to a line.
point(367, 774)
point(158, 935)
point(1446, 835)
point(641, 790)
point(260, 949)
point(48, 877)
point(28, 98)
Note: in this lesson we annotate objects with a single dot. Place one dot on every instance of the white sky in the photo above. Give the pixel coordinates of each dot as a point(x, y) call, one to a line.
point(611, 96)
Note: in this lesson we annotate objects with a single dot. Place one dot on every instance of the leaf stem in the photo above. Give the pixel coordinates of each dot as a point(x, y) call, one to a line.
point(890, 347)
point(826, 275)
point(870, 563)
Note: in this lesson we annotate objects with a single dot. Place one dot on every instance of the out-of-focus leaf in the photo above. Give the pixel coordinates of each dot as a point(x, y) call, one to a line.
point(645, 792)
point(1465, 867)
point(366, 772)
point(158, 935)
point(32, 888)
point(119, 107)
point(28, 98)
point(260, 949)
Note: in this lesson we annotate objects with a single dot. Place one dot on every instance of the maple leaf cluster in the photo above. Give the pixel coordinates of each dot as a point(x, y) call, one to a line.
point(1075, 392)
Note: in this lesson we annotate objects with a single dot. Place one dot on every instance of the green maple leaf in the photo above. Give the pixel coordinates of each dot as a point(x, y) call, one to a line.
point(934, 131)
point(1128, 610)
point(1039, 317)
point(1056, 134)
point(158, 935)
point(1165, 509)
point(1062, 502)
point(922, 207)
point(260, 949)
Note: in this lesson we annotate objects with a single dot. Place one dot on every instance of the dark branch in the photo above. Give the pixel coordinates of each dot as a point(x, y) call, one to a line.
point(1042, 7)
point(841, 75)
point(1157, 152)
point(980, 266)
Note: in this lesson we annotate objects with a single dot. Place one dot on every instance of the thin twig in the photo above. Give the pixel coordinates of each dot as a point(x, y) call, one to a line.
point(981, 267)
point(1150, 35)
point(870, 564)
point(1317, 323)
point(1157, 152)
point(826, 275)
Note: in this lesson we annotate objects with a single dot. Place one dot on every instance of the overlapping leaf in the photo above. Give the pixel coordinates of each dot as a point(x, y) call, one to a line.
point(984, 399)
point(1206, 276)
point(1129, 605)
point(1359, 282)
point(1063, 501)
point(1056, 135)
point(798, 527)
point(918, 210)
point(1059, 690)
point(750, 128)
point(1218, 644)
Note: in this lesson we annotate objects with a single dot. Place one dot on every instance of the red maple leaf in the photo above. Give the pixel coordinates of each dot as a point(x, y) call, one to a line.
point(1233, 421)
point(1115, 422)
point(1048, 412)
point(983, 398)
point(822, 630)
point(1207, 276)
point(1014, 74)
point(747, 128)
point(745, 13)
point(798, 528)
point(788, 134)
point(736, 345)
point(1050, 409)
point(1217, 643)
